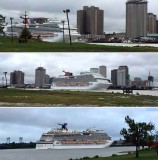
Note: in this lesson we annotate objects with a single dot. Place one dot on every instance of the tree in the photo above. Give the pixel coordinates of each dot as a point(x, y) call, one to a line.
point(2, 21)
point(140, 134)
point(25, 34)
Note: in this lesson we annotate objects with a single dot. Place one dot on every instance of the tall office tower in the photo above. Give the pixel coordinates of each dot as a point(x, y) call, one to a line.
point(103, 71)
point(123, 76)
point(151, 23)
point(156, 26)
point(136, 18)
point(114, 77)
point(150, 80)
point(40, 73)
point(20, 139)
point(138, 82)
point(90, 21)
point(17, 78)
point(8, 140)
point(94, 70)
point(47, 79)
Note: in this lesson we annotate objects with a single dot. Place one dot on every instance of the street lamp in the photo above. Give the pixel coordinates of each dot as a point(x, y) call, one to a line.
point(11, 19)
point(5, 74)
point(63, 30)
point(2, 81)
point(67, 11)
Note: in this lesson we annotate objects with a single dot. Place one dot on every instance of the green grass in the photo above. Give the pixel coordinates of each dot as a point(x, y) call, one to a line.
point(34, 46)
point(148, 154)
point(74, 98)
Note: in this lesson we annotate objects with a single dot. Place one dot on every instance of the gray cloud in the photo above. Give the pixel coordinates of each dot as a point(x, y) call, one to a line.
point(139, 63)
point(114, 10)
point(30, 123)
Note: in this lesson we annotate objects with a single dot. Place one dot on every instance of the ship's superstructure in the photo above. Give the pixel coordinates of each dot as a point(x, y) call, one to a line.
point(65, 139)
point(84, 81)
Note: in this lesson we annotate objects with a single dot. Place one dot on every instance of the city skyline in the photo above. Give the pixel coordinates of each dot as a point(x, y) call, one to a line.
point(76, 63)
point(48, 9)
point(30, 123)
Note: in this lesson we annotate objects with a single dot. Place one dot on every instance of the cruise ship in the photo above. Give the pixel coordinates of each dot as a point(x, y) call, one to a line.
point(62, 138)
point(50, 30)
point(84, 81)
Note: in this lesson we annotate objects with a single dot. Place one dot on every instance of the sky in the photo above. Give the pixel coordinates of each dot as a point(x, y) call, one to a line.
point(139, 64)
point(30, 123)
point(114, 10)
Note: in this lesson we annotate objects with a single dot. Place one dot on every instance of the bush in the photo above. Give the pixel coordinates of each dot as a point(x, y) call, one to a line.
point(25, 33)
point(114, 155)
point(86, 157)
point(96, 156)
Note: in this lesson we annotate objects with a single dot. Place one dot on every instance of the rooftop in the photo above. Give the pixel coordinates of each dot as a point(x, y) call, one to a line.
point(137, 1)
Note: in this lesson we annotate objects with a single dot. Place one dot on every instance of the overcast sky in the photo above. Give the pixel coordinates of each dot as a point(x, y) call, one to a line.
point(114, 10)
point(139, 63)
point(30, 123)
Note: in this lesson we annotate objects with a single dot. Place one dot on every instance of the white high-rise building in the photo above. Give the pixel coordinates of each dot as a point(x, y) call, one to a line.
point(123, 76)
point(40, 77)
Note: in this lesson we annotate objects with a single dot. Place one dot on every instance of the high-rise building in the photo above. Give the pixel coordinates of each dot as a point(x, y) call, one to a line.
point(139, 83)
point(123, 76)
point(136, 18)
point(150, 80)
point(114, 77)
point(151, 23)
point(94, 70)
point(17, 78)
point(90, 21)
point(20, 139)
point(40, 73)
point(156, 26)
point(103, 71)
point(47, 79)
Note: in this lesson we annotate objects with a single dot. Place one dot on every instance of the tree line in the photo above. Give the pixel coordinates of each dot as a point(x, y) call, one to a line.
point(14, 145)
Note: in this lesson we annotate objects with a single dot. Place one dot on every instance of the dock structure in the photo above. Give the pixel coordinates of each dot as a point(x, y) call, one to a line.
point(127, 90)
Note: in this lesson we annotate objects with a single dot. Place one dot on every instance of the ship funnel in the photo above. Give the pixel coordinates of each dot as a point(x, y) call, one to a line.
point(63, 126)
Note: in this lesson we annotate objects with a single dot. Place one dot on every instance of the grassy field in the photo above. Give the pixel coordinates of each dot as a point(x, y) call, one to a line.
point(34, 46)
point(72, 98)
point(149, 154)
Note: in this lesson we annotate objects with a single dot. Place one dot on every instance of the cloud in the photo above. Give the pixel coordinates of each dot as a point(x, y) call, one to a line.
point(114, 10)
point(139, 63)
point(30, 123)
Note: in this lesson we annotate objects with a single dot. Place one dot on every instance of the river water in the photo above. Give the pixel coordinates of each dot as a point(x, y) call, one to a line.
point(128, 44)
point(33, 154)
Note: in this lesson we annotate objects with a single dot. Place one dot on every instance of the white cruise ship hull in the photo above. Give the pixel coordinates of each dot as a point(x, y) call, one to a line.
point(59, 37)
point(72, 146)
point(93, 86)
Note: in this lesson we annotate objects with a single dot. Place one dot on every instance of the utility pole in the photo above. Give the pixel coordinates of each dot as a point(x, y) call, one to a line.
point(11, 19)
point(5, 74)
point(63, 31)
point(25, 26)
point(25, 21)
